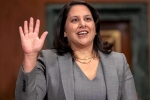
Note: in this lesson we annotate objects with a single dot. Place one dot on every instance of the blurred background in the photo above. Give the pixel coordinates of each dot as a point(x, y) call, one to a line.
point(126, 23)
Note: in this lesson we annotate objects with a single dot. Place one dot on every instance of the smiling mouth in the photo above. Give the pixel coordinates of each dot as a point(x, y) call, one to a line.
point(82, 33)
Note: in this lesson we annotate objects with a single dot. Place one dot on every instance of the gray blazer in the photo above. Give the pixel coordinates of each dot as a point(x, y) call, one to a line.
point(53, 78)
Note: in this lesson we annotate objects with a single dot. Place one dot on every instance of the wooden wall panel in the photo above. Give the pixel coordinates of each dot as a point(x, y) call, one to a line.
point(12, 15)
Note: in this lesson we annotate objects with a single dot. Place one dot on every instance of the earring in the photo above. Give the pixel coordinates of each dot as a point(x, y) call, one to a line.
point(65, 34)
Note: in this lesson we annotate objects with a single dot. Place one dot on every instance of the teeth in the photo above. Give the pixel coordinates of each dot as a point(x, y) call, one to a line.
point(80, 33)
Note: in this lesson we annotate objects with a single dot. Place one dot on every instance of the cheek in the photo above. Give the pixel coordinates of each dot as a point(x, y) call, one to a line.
point(70, 30)
point(93, 28)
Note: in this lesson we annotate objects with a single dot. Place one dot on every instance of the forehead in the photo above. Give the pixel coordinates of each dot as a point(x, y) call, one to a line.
point(79, 10)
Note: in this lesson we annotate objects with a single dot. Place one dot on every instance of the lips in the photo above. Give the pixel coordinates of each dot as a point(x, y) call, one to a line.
point(82, 32)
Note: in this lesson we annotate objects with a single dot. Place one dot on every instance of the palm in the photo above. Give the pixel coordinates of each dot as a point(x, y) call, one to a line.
point(31, 42)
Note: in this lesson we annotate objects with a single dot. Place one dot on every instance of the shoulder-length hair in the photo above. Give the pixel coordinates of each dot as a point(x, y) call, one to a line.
point(61, 43)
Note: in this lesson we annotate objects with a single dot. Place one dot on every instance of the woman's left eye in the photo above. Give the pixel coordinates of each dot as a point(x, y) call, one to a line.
point(88, 19)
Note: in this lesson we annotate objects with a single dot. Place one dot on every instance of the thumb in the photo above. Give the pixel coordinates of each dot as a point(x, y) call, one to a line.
point(43, 36)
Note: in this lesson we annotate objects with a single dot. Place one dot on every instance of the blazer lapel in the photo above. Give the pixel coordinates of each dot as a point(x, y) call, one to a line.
point(66, 70)
point(110, 75)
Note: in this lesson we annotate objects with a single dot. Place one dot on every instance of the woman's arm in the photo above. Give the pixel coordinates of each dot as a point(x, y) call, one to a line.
point(31, 83)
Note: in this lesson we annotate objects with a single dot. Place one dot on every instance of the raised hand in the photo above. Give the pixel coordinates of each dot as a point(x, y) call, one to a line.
point(31, 42)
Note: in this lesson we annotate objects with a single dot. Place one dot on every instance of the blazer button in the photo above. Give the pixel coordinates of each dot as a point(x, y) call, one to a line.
point(24, 86)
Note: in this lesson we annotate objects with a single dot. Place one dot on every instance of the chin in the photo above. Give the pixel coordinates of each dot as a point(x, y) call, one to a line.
point(85, 44)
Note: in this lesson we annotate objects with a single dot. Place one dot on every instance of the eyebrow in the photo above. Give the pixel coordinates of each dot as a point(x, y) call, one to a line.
point(77, 16)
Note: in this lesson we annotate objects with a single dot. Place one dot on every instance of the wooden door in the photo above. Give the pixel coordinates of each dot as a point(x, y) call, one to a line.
point(119, 33)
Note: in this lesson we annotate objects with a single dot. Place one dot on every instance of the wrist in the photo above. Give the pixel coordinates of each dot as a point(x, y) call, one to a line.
point(29, 61)
point(31, 56)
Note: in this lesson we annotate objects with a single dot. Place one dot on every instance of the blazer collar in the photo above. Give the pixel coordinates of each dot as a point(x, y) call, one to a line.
point(110, 75)
point(66, 70)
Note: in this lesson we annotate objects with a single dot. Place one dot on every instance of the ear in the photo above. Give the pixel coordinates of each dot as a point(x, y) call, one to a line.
point(65, 35)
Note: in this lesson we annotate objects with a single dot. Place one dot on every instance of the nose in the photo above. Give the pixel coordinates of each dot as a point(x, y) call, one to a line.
point(82, 24)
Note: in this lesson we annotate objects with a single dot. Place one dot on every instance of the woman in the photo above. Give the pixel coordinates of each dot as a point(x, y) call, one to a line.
point(79, 67)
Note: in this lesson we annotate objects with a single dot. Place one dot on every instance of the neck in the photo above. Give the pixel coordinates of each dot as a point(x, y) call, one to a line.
point(84, 57)
point(83, 53)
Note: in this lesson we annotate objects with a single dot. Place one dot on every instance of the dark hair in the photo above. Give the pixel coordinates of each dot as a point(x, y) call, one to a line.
point(60, 42)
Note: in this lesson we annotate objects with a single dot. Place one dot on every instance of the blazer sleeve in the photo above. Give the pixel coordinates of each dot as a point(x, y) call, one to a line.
point(128, 87)
point(32, 85)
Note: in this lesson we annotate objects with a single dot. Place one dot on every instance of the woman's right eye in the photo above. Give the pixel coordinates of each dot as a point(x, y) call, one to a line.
point(74, 20)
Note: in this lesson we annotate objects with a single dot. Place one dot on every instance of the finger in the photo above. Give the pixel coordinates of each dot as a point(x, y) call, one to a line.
point(21, 32)
point(37, 26)
point(31, 25)
point(43, 36)
point(25, 27)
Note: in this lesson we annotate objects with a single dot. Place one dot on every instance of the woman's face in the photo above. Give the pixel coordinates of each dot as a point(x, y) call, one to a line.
point(80, 27)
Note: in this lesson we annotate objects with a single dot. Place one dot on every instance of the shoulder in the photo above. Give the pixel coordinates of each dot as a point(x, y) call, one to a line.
point(48, 58)
point(119, 57)
point(116, 55)
point(48, 53)
point(119, 60)
point(121, 63)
